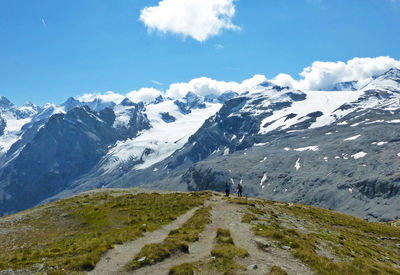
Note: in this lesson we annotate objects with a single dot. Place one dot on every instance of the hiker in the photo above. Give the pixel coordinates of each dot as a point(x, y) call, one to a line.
point(227, 189)
point(240, 190)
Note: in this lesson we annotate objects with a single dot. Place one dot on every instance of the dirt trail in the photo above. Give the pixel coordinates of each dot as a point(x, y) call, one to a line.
point(199, 250)
point(114, 260)
point(243, 236)
point(227, 215)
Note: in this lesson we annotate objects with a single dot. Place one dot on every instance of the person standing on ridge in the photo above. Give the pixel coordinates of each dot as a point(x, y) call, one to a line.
point(240, 190)
point(227, 189)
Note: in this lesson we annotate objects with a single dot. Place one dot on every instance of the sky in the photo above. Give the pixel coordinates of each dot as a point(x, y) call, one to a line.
point(50, 50)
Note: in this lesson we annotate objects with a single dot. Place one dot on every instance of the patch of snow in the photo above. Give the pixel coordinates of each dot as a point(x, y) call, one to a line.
point(264, 178)
point(342, 123)
point(380, 143)
point(261, 144)
point(226, 151)
point(122, 115)
point(355, 124)
point(326, 159)
point(352, 138)
point(375, 121)
point(323, 101)
point(351, 190)
point(337, 157)
point(359, 155)
point(393, 121)
point(12, 131)
point(297, 165)
point(287, 149)
point(265, 158)
point(309, 148)
point(329, 133)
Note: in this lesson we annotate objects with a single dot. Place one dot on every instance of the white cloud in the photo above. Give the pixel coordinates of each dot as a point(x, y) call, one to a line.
point(318, 76)
point(107, 97)
point(202, 86)
point(145, 95)
point(199, 19)
point(322, 75)
point(206, 86)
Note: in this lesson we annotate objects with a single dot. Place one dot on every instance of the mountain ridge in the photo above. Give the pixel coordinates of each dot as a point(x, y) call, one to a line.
point(202, 133)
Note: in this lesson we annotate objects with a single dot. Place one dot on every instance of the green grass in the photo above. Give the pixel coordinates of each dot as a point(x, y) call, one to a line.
point(225, 253)
point(183, 269)
point(71, 234)
point(249, 217)
point(177, 240)
point(223, 259)
point(356, 246)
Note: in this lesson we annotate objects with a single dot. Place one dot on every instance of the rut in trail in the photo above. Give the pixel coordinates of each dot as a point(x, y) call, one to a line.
point(114, 260)
point(229, 215)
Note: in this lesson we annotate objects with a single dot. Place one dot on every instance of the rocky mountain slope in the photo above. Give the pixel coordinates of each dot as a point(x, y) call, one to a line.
point(136, 231)
point(334, 149)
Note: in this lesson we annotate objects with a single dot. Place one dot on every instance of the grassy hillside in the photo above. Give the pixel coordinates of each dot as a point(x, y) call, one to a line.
point(71, 235)
point(327, 241)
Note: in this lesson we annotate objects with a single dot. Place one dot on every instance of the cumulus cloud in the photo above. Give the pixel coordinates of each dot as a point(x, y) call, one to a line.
point(107, 97)
point(206, 86)
point(318, 76)
point(145, 95)
point(199, 19)
point(322, 75)
point(202, 86)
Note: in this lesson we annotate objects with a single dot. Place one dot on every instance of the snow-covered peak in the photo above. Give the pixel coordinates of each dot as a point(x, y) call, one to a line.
point(5, 103)
point(71, 103)
point(13, 118)
point(393, 74)
point(389, 81)
point(127, 102)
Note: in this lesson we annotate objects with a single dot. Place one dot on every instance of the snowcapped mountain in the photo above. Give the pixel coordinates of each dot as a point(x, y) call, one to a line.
point(336, 148)
point(12, 119)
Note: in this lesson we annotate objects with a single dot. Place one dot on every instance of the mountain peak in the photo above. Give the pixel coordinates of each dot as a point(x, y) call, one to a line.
point(5, 103)
point(393, 73)
point(127, 102)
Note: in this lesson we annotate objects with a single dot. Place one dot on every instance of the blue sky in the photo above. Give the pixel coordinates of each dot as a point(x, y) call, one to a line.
point(50, 50)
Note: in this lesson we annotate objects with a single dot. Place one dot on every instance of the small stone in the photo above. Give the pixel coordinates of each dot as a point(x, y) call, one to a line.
point(141, 260)
point(286, 247)
point(252, 267)
point(263, 244)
